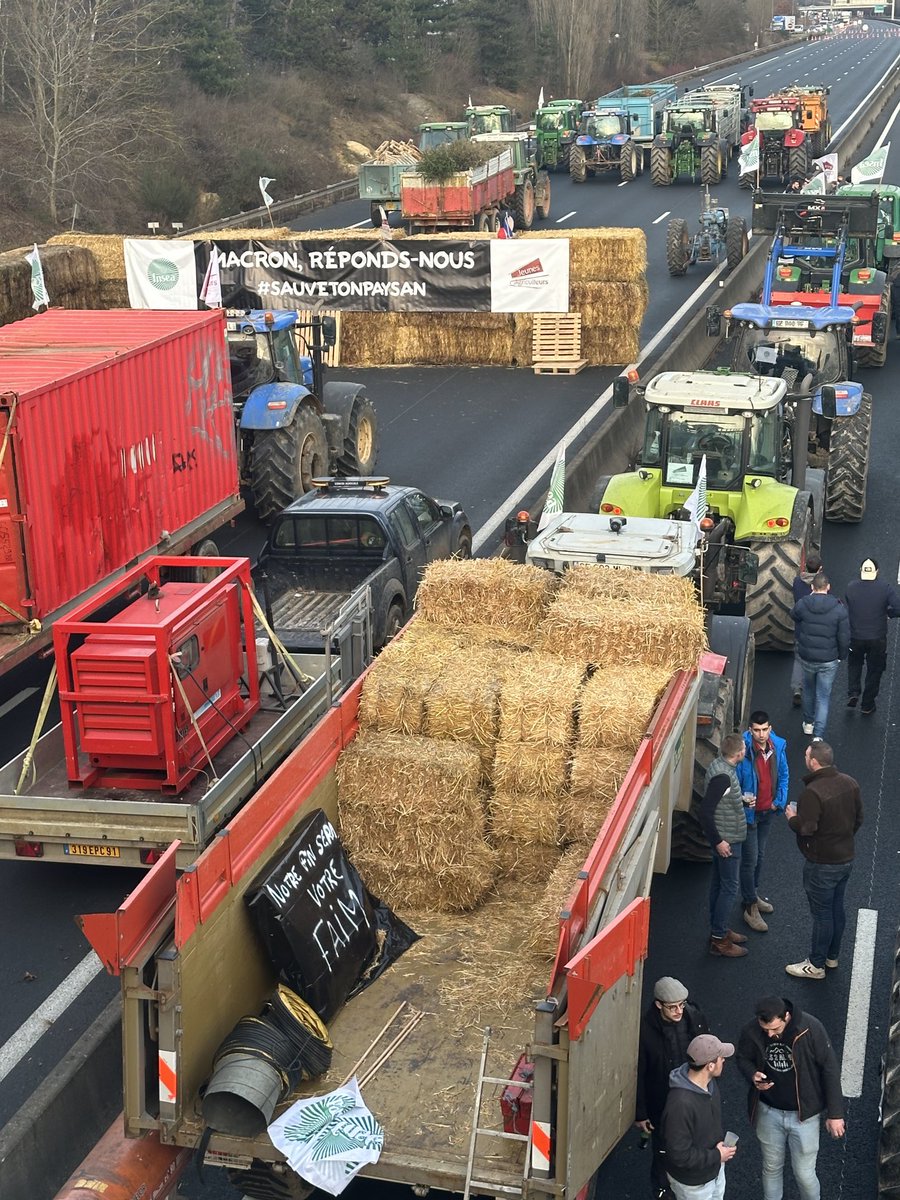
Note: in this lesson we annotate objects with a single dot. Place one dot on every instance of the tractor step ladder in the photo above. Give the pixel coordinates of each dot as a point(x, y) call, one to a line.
point(556, 344)
point(480, 1131)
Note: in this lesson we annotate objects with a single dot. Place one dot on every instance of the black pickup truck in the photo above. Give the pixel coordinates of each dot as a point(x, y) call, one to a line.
point(350, 534)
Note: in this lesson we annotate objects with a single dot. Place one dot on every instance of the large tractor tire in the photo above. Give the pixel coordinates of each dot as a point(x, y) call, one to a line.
point(284, 462)
point(769, 603)
point(360, 452)
point(876, 356)
point(710, 165)
point(375, 215)
point(543, 209)
point(732, 637)
point(889, 1140)
point(660, 166)
point(524, 205)
point(677, 246)
point(798, 162)
point(577, 165)
point(628, 163)
point(736, 241)
point(747, 182)
point(848, 465)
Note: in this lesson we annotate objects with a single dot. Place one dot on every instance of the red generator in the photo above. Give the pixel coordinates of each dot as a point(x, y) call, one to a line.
point(149, 695)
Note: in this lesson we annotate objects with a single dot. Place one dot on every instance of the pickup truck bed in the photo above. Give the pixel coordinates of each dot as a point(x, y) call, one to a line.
point(306, 597)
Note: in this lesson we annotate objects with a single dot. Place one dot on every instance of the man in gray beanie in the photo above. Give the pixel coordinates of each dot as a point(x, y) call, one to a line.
point(870, 601)
point(669, 1025)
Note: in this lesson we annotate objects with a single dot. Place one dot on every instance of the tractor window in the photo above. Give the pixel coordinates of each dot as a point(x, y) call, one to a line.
point(551, 121)
point(286, 353)
point(600, 127)
point(765, 436)
point(651, 456)
point(773, 121)
point(265, 368)
point(693, 436)
point(804, 360)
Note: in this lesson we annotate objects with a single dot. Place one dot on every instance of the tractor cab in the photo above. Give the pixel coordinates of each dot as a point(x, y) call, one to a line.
point(602, 127)
point(438, 133)
point(262, 348)
point(688, 123)
point(489, 118)
point(806, 347)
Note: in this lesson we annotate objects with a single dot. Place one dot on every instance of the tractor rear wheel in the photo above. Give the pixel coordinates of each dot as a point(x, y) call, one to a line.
point(769, 603)
point(628, 167)
point(660, 166)
point(524, 205)
point(577, 165)
point(284, 462)
point(736, 241)
point(798, 162)
point(710, 165)
point(677, 246)
point(746, 182)
point(889, 1142)
point(848, 464)
point(876, 356)
point(360, 452)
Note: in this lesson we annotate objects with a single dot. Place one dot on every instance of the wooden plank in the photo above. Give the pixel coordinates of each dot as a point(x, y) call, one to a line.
point(556, 343)
point(332, 356)
point(567, 367)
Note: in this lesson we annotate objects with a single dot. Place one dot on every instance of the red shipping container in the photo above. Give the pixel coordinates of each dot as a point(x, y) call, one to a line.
point(120, 442)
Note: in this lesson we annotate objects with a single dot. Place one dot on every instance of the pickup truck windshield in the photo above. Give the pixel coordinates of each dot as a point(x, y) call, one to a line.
point(329, 535)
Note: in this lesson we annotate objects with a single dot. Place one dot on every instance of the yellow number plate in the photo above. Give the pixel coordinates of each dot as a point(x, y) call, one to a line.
point(82, 850)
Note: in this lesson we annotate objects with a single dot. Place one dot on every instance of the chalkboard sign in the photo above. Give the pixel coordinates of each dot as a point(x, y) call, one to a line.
point(318, 921)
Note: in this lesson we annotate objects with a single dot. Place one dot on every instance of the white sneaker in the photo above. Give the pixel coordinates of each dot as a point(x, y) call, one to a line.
point(805, 970)
point(808, 727)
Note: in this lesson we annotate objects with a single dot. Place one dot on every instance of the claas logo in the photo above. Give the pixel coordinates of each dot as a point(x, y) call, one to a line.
point(532, 268)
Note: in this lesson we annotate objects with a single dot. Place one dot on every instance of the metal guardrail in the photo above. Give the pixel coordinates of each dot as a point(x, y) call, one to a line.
point(324, 197)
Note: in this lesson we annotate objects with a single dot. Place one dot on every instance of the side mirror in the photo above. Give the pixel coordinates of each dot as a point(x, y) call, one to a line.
point(713, 322)
point(621, 391)
point(329, 331)
point(828, 401)
point(879, 329)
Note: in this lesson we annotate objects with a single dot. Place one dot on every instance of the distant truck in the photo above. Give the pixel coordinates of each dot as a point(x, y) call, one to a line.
point(379, 178)
point(470, 199)
point(350, 534)
point(120, 445)
point(645, 104)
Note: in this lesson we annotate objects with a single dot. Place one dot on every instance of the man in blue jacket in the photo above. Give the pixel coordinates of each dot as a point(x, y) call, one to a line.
point(764, 778)
point(822, 631)
point(870, 601)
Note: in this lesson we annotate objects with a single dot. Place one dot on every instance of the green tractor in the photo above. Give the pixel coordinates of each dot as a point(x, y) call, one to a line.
point(556, 126)
point(689, 146)
point(887, 242)
point(489, 118)
point(764, 505)
point(532, 183)
point(438, 133)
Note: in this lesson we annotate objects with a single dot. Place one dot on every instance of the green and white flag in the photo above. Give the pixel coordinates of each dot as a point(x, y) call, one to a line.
point(817, 186)
point(871, 169)
point(38, 286)
point(556, 496)
point(748, 163)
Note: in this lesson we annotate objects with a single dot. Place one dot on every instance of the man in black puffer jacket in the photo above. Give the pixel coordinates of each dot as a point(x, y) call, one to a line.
point(822, 630)
point(670, 1024)
point(870, 601)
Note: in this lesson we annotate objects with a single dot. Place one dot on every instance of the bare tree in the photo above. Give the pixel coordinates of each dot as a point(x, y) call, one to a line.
point(85, 76)
point(582, 30)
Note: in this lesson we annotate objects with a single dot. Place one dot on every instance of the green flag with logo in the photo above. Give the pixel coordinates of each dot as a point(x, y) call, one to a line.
point(871, 169)
point(556, 496)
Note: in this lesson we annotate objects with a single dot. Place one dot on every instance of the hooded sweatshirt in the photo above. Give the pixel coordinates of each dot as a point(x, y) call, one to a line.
point(692, 1129)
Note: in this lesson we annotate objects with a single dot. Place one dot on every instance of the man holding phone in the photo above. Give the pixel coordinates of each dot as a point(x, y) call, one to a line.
point(788, 1060)
point(693, 1133)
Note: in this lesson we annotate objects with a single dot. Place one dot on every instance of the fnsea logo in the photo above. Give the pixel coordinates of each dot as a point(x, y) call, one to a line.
point(163, 274)
point(529, 275)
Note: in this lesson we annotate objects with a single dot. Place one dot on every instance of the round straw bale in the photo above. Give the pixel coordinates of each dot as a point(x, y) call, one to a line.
point(537, 702)
point(616, 706)
point(542, 929)
point(531, 768)
point(525, 818)
point(490, 594)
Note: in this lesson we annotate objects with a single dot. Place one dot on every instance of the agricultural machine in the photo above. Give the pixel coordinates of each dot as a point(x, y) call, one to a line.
point(556, 127)
point(887, 241)
point(605, 142)
point(489, 118)
point(784, 151)
point(718, 236)
point(814, 119)
point(689, 145)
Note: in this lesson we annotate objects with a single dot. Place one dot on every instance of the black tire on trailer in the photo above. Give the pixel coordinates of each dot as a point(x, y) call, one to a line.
point(577, 165)
point(283, 462)
point(524, 205)
point(710, 165)
point(736, 241)
point(733, 638)
point(375, 214)
point(677, 246)
point(770, 600)
point(889, 1138)
point(628, 167)
point(205, 549)
point(747, 182)
point(483, 224)
point(660, 166)
point(798, 162)
point(848, 465)
point(360, 452)
point(876, 356)
point(543, 210)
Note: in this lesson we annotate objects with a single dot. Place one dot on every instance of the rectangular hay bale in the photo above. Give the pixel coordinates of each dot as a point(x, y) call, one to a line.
point(616, 706)
point(506, 600)
point(595, 779)
point(537, 702)
point(525, 818)
point(530, 767)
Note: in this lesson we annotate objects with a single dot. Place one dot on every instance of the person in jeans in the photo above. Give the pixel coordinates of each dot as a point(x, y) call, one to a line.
point(822, 632)
point(692, 1123)
point(764, 778)
point(870, 601)
point(725, 825)
point(788, 1060)
point(827, 816)
point(668, 1027)
point(802, 587)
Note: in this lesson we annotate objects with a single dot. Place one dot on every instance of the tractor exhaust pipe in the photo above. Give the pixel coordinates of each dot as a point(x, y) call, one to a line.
point(800, 442)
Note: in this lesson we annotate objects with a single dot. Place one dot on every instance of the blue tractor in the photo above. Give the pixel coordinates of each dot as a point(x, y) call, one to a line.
point(291, 425)
point(605, 142)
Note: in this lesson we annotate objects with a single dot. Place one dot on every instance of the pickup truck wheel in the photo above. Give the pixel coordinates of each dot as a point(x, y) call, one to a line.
point(464, 545)
point(360, 453)
point(284, 462)
point(394, 622)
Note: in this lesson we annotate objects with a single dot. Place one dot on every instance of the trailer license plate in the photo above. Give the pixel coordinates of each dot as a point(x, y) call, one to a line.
point(85, 850)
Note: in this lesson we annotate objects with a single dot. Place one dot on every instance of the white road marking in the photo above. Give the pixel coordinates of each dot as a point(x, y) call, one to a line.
point(44, 1016)
point(623, 183)
point(856, 1034)
point(359, 224)
point(19, 698)
point(663, 216)
point(559, 220)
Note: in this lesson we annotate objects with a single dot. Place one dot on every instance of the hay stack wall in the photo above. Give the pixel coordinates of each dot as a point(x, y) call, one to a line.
point(70, 273)
point(608, 286)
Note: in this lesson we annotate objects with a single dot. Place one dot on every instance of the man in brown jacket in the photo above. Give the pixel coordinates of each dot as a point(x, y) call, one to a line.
point(825, 820)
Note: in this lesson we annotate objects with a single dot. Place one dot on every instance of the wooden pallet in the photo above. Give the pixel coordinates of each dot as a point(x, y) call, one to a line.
point(332, 356)
point(556, 344)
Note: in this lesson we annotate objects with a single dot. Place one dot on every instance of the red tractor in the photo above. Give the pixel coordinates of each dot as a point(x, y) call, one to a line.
point(784, 150)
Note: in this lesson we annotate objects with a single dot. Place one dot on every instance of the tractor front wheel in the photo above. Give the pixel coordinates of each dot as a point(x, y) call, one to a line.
point(628, 167)
point(542, 206)
point(577, 165)
point(736, 241)
point(677, 246)
point(848, 464)
point(284, 462)
point(660, 166)
point(524, 205)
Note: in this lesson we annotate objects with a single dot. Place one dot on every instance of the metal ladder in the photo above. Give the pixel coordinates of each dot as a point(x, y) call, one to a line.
point(479, 1130)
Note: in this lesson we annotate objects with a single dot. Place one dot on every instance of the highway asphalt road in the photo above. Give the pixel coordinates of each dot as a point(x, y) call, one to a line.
point(472, 437)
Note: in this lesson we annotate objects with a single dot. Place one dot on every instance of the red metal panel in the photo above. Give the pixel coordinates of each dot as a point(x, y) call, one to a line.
point(614, 952)
point(123, 434)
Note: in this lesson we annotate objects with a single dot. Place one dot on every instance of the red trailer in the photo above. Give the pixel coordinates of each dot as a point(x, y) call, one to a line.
point(467, 200)
point(116, 442)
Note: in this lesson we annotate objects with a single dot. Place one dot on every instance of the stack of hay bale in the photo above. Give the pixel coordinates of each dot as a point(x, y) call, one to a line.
point(70, 273)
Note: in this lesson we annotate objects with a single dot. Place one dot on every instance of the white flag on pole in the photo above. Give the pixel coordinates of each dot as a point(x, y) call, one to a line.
point(264, 182)
point(871, 169)
point(696, 501)
point(211, 292)
point(748, 163)
point(828, 165)
point(38, 286)
point(817, 185)
point(541, 99)
point(553, 505)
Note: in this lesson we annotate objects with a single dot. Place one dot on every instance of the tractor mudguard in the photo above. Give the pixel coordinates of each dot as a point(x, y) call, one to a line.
point(338, 400)
point(794, 138)
point(757, 506)
point(585, 139)
point(847, 397)
point(259, 413)
point(635, 495)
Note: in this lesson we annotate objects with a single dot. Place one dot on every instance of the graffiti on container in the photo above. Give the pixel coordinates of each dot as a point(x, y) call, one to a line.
point(209, 390)
point(138, 456)
point(184, 461)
